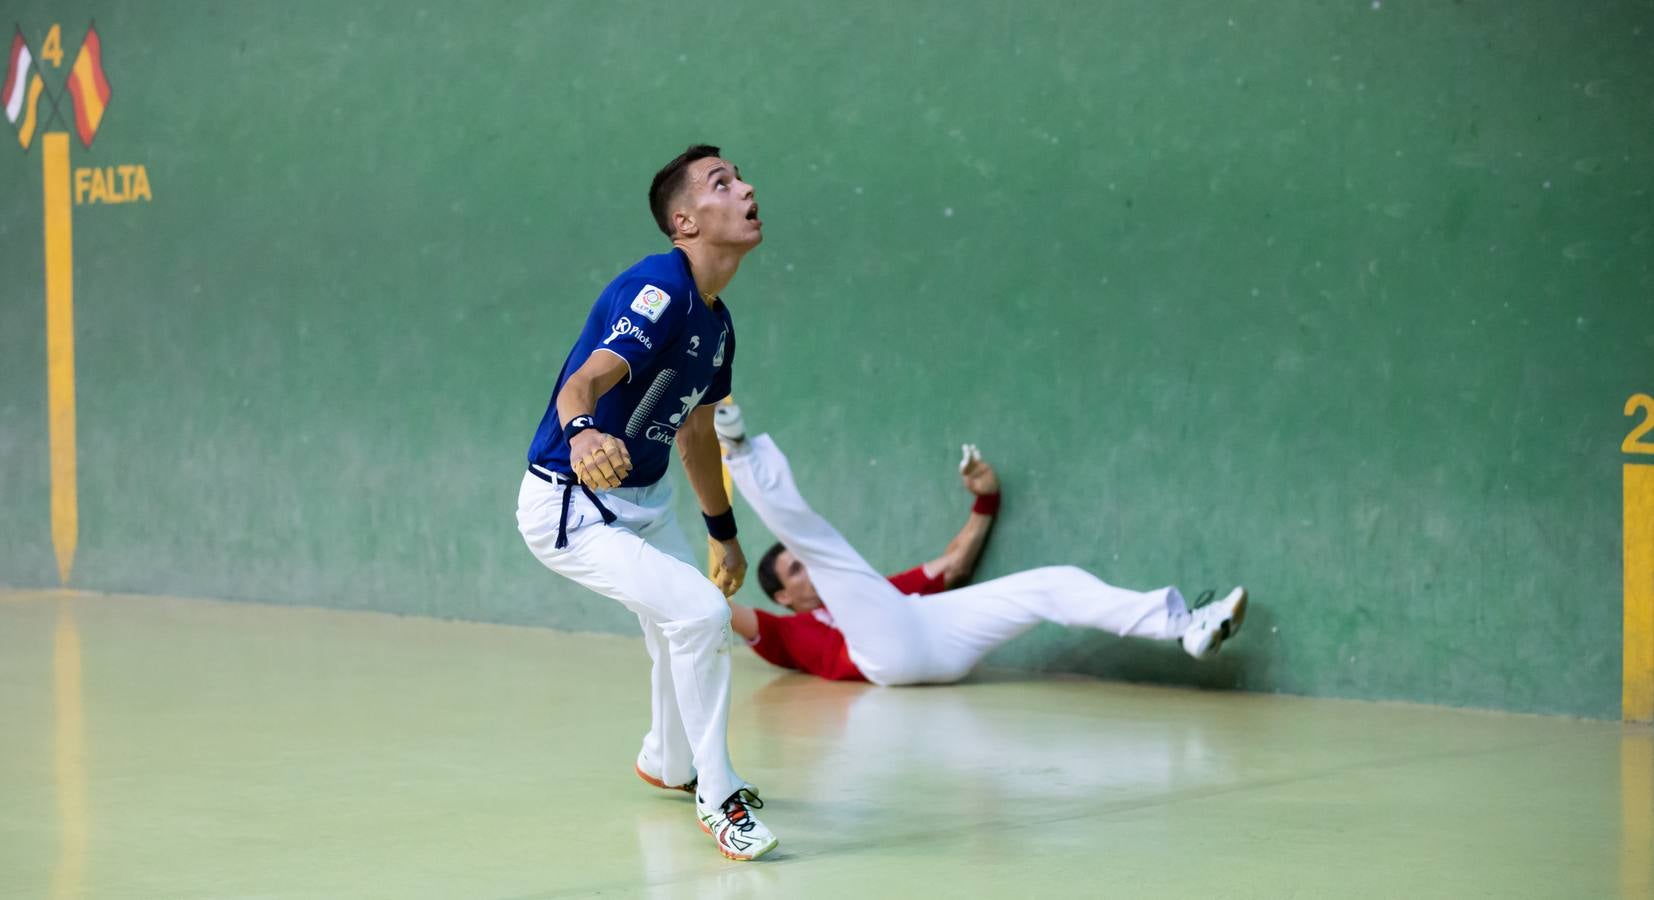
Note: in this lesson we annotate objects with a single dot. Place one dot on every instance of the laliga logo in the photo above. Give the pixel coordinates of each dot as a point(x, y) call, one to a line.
point(625, 328)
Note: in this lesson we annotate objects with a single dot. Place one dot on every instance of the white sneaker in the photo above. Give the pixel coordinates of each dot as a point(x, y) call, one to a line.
point(656, 781)
point(736, 830)
point(645, 771)
point(1214, 623)
point(726, 421)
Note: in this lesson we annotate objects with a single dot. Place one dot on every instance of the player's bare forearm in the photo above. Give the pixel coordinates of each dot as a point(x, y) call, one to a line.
point(958, 561)
point(600, 461)
point(743, 620)
point(698, 448)
point(595, 377)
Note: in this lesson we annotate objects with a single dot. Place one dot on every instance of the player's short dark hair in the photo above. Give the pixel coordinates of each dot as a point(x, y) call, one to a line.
point(767, 579)
point(669, 180)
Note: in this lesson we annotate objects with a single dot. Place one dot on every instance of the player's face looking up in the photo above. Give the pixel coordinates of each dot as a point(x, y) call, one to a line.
point(716, 207)
point(797, 592)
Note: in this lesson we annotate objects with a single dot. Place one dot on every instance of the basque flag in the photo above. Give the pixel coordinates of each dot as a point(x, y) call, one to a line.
point(22, 90)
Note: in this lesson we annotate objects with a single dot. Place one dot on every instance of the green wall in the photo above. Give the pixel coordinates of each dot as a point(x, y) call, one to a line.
point(1337, 301)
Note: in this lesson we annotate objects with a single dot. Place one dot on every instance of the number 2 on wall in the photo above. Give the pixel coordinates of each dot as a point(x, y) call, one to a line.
point(1634, 442)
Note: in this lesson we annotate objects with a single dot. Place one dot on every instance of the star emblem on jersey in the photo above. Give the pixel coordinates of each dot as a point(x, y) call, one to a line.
point(689, 401)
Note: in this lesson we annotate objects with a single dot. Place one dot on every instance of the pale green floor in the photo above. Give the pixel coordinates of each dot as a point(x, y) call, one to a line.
point(180, 749)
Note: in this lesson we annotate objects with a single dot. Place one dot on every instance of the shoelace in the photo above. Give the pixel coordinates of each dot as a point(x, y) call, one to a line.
point(736, 809)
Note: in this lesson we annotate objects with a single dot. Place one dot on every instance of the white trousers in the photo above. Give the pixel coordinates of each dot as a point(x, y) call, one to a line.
point(644, 561)
point(897, 639)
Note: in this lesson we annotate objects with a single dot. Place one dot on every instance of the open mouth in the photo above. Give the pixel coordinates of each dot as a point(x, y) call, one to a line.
point(752, 214)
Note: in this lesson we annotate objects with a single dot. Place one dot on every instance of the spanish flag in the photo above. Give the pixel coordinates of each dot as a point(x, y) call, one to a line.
point(88, 86)
point(22, 90)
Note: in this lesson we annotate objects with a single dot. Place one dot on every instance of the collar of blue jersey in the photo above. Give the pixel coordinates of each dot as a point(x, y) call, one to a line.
point(689, 276)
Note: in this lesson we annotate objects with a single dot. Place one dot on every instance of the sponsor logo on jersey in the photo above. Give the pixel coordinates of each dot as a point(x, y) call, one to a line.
point(625, 328)
point(651, 302)
point(665, 432)
point(694, 345)
point(718, 358)
point(689, 401)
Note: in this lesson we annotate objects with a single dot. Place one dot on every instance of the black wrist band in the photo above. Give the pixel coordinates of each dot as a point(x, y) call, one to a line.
point(577, 425)
point(722, 525)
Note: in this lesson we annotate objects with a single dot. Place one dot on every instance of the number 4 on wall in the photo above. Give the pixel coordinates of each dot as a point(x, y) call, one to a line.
point(52, 50)
point(1634, 442)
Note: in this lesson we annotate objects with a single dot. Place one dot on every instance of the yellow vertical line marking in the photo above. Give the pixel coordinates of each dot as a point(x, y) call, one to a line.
point(60, 347)
point(1637, 814)
point(69, 756)
point(1637, 702)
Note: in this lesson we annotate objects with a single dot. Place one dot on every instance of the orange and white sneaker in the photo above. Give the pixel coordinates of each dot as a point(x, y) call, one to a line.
point(655, 781)
point(738, 833)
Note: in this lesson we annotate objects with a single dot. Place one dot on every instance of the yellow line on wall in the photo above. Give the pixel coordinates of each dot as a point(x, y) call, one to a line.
point(60, 347)
point(1637, 701)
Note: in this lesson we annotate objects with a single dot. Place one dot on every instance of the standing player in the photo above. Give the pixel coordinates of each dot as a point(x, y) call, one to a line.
point(851, 623)
point(656, 351)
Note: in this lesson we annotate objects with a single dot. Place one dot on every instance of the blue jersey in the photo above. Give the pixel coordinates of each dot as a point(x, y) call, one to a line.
point(679, 353)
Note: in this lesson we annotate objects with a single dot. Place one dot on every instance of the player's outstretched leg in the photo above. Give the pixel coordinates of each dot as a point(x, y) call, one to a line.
point(1214, 623)
point(876, 619)
point(760, 470)
point(970, 622)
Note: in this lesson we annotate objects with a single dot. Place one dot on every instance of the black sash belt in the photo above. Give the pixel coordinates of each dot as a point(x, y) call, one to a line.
point(568, 483)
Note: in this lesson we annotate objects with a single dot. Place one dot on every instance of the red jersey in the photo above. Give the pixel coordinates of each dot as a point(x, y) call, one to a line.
point(812, 643)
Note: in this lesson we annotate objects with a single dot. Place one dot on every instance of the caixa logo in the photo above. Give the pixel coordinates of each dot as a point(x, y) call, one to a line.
point(625, 328)
point(660, 434)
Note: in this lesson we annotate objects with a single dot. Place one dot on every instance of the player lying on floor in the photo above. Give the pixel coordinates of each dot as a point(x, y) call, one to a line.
point(848, 622)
